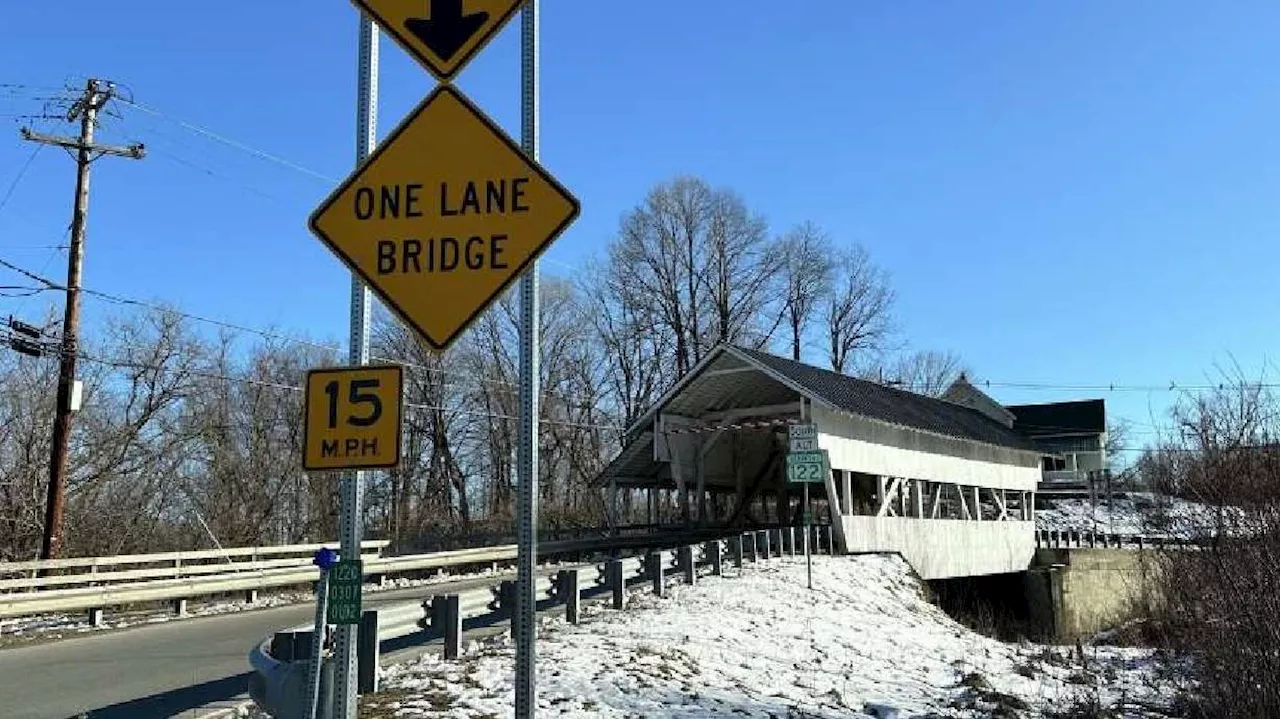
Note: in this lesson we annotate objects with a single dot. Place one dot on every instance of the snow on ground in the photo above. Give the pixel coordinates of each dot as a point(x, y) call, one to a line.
point(762, 645)
point(1143, 513)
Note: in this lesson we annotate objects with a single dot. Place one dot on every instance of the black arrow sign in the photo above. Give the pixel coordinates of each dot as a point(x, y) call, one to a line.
point(447, 30)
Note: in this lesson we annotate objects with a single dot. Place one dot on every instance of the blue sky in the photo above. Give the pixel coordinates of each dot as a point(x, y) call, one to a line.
point(1072, 193)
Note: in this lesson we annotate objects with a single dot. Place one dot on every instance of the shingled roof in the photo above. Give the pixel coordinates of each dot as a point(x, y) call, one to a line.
point(1040, 420)
point(887, 404)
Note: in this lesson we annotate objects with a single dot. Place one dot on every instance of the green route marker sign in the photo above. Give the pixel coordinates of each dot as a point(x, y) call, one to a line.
point(344, 592)
point(807, 467)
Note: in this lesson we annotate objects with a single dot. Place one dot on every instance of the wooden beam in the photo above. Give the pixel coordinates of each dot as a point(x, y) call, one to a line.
point(728, 415)
point(888, 490)
point(1001, 504)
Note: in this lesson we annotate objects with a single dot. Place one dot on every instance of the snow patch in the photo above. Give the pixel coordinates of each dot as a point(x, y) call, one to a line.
point(1138, 513)
point(864, 642)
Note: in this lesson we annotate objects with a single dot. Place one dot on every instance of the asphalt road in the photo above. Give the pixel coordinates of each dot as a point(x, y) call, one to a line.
point(154, 670)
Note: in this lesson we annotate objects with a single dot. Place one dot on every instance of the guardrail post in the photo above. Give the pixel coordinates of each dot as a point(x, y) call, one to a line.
point(735, 550)
point(715, 553)
point(656, 573)
point(367, 653)
point(571, 585)
point(1139, 539)
point(95, 617)
point(507, 598)
point(1093, 539)
point(617, 582)
point(446, 616)
point(180, 607)
point(687, 565)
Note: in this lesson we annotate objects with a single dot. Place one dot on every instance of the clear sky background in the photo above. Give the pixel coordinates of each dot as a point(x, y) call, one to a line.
point(1067, 193)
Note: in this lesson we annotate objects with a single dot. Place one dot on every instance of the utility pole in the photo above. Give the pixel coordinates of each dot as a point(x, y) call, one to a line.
point(96, 96)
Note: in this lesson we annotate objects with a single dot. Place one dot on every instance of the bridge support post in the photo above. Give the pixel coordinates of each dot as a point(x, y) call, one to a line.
point(571, 585)
point(752, 555)
point(446, 616)
point(250, 596)
point(367, 653)
point(617, 582)
point(95, 617)
point(762, 544)
point(179, 607)
point(688, 566)
point(656, 574)
point(831, 542)
point(735, 549)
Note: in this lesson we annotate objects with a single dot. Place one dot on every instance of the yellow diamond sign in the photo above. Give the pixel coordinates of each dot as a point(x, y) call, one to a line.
point(442, 34)
point(443, 216)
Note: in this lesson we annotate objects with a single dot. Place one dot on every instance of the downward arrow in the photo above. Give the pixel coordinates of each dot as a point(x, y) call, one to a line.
point(447, 30)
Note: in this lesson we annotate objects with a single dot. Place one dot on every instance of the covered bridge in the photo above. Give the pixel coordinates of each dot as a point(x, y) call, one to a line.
point(948, 483)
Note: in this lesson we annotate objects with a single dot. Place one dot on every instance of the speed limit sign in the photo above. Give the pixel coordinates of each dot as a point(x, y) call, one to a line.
point(352, 418)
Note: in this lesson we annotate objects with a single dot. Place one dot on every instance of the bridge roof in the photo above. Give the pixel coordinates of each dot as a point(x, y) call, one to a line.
point(889, 404)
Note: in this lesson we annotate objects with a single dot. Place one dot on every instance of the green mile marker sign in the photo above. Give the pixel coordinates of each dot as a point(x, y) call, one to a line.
point(344, 592)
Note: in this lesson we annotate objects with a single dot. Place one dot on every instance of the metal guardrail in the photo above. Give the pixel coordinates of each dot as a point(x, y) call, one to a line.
point(95, 598)
point(277, 685)
point(1090, 539)
point(248, 578)
point(92, 564)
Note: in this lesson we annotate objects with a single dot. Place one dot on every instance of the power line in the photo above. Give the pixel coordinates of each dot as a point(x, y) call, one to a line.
point(260, 154)
point(18, 178)
point(131, 364)
point(31, 275)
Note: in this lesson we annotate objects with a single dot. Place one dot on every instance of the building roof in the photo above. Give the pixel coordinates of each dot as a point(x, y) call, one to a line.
point(887, 404)
point(1041, 420)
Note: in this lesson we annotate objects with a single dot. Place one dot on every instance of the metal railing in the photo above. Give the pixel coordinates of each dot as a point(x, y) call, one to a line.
point(280, 661)
point(94, 591)
point(1090, 539)
point(176, 565)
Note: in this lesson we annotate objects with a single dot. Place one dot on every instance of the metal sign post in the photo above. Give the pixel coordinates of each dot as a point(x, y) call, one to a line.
point(527, 449)
point(416, 233)
point(805, 464)
point(324, 559)
point(808, 529)
point(345, 646)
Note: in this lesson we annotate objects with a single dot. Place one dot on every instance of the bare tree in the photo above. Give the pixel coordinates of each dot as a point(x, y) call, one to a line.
point(927, 372)
point(807, 265)
point(858, 315)
point(1215, 608)
point(695, 264)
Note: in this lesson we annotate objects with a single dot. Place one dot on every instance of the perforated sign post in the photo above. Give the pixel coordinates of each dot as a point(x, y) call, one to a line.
point(438, 222)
